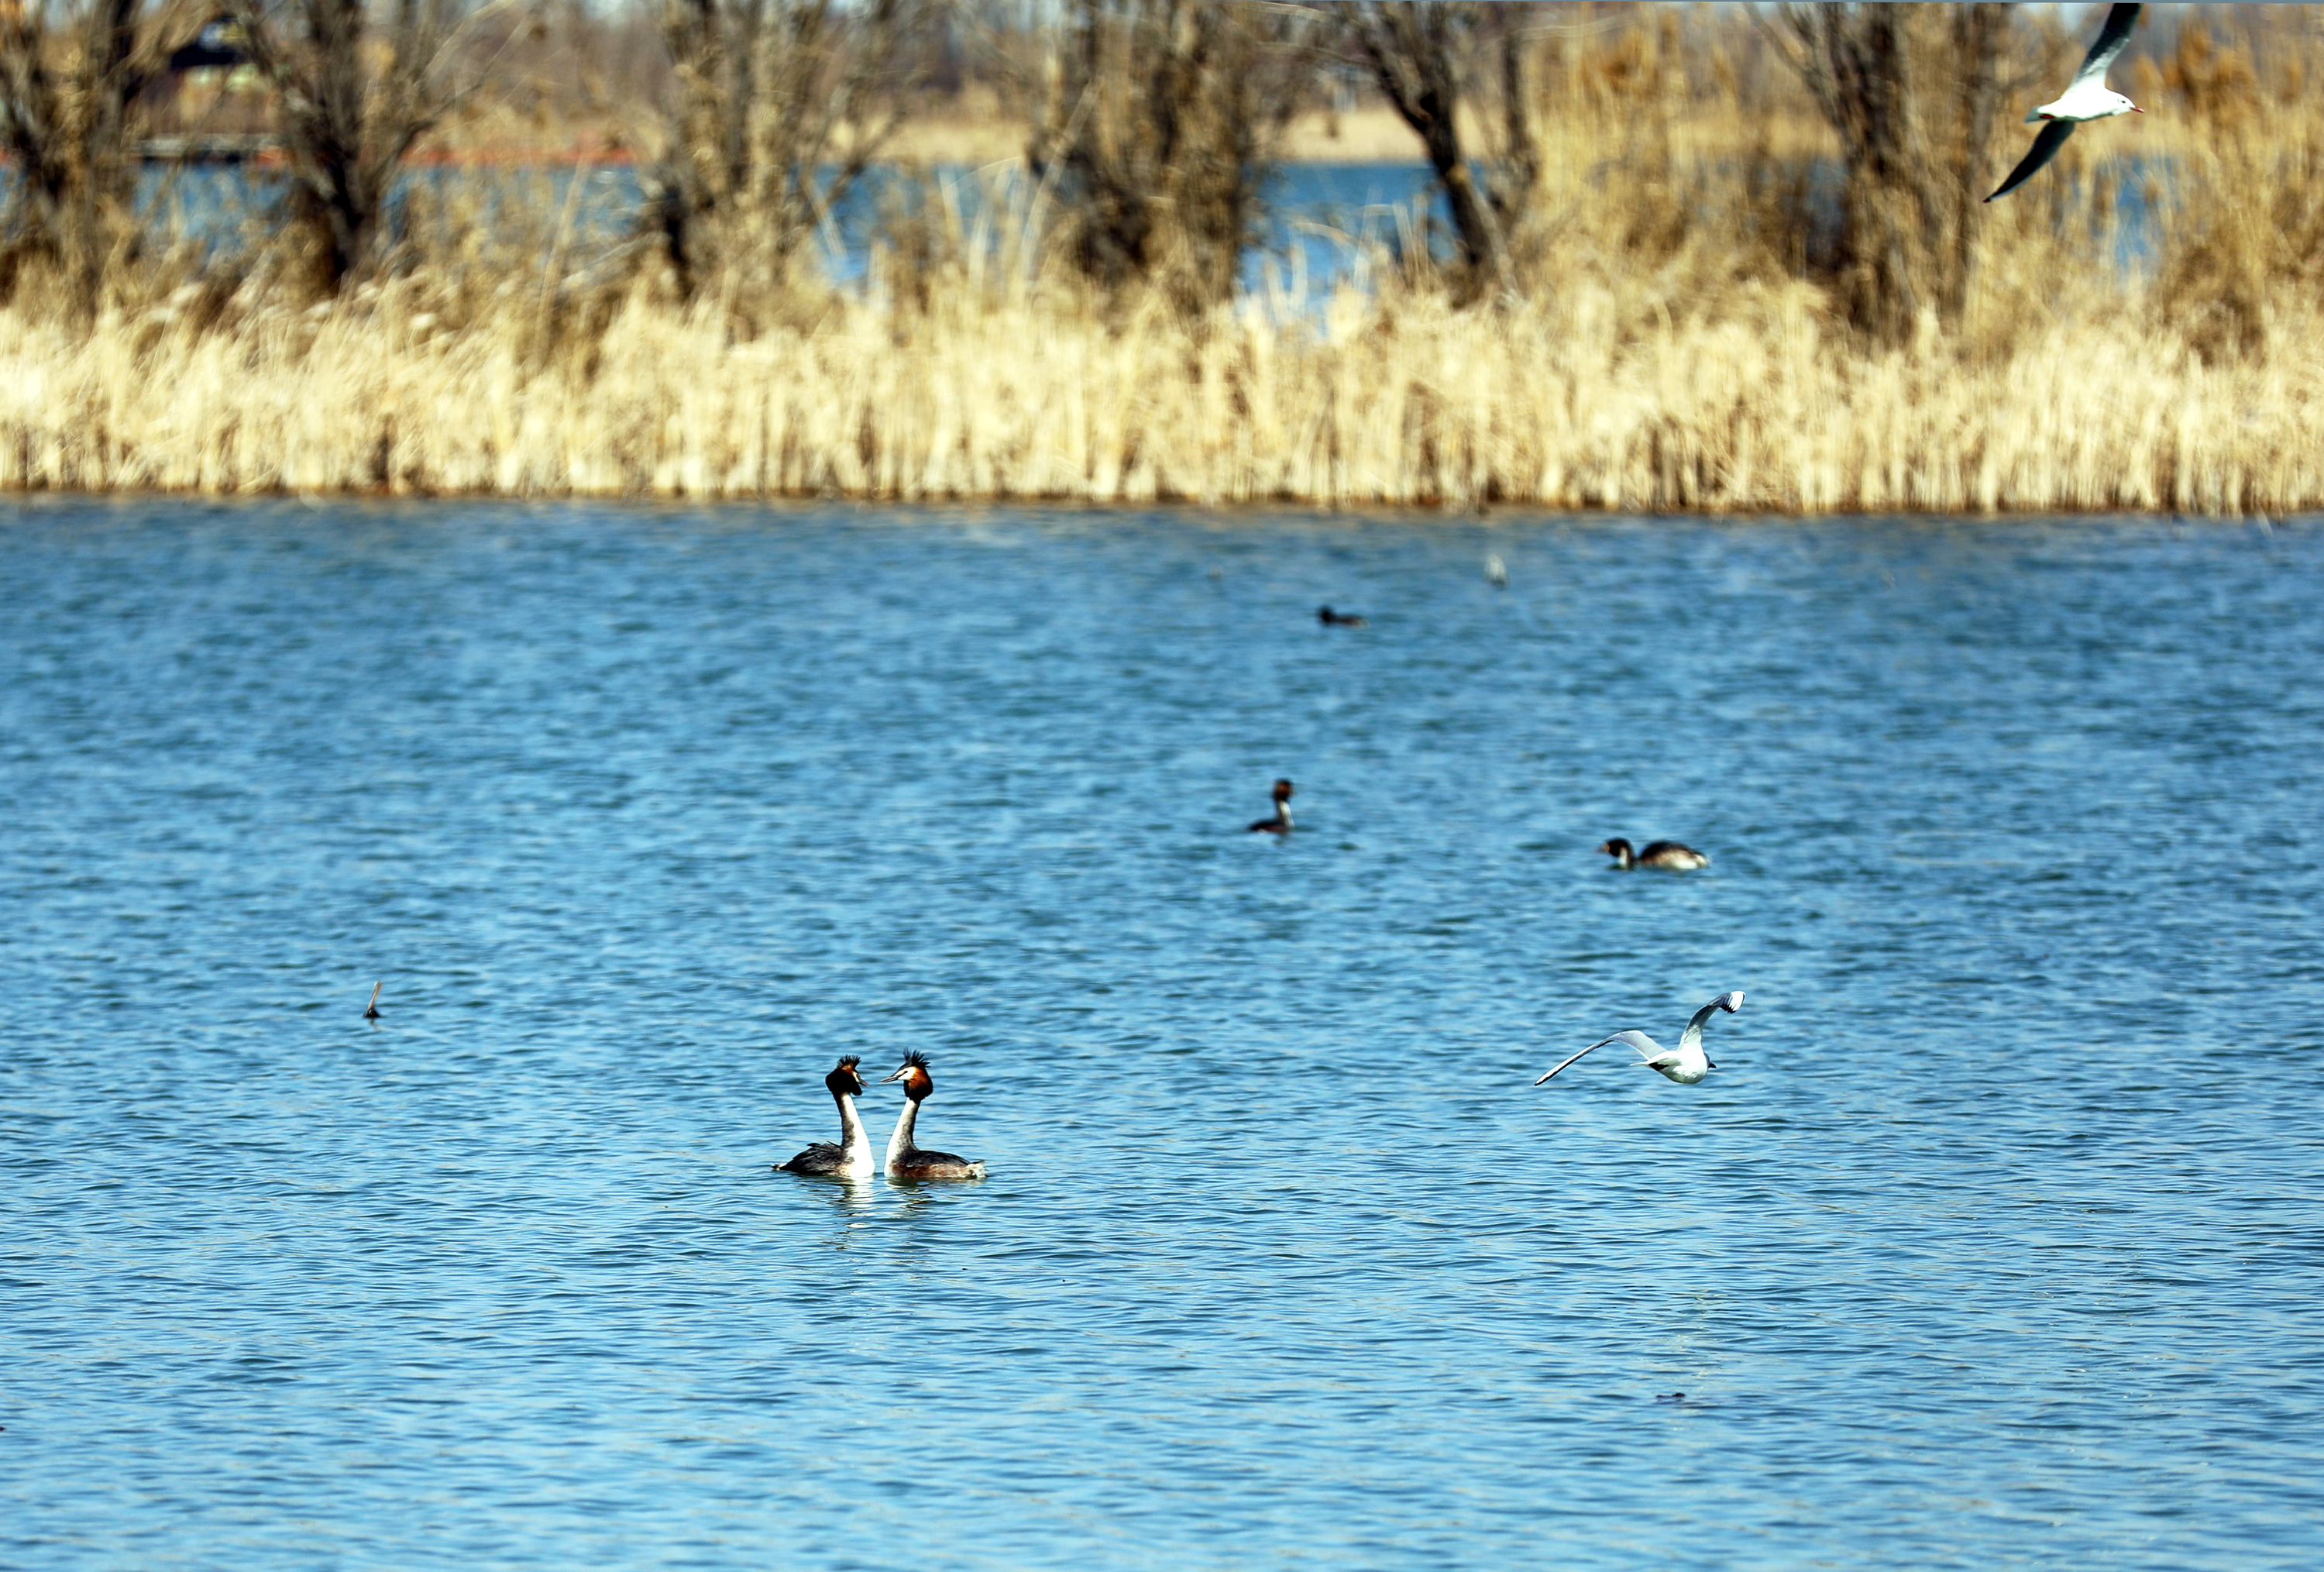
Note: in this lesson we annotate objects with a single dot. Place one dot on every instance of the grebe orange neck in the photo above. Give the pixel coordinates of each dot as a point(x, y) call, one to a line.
point(906, 1161)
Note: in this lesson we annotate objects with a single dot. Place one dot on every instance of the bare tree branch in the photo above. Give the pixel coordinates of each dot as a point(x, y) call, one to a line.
point(1420, 55)
point(69, 79)
point(778, 109)
point(1912, 91)
point(355, 96)
point(1157, 127)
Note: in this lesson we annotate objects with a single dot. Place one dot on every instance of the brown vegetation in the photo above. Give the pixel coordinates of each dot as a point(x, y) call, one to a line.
point(1423, 56)
point(776, 108)
point(1159, 123)
point(353, 98)
point(1910, 90)
point(69, 80)
point(1690, 320)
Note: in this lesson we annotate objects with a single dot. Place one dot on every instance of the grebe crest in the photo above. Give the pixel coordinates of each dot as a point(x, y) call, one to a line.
point(914, 1073)
point(906, 1161)
point(1281, 823)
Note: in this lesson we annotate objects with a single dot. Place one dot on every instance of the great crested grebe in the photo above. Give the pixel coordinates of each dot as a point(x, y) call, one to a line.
point(1335, 619)
point(1659, 853)
point(1281, 823)
point(1685, 1064)
point(906, 1161)
point(851, 1158)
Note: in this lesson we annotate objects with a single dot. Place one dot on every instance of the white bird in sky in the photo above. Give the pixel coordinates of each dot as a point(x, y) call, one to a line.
point(2086, 98)
point(1685, 1064)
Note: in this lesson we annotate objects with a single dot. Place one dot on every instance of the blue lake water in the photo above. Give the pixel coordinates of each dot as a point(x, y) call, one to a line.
point(1993, 1241)
point(1324, 224)
point(1320, 222)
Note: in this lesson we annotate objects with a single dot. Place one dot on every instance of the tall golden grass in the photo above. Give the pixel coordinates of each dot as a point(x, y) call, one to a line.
point(1673, 350)
point(1559, 404)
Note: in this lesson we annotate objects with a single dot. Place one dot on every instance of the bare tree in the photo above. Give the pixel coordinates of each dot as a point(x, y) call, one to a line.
point(778, 108)
point(1912, 91)
point(1422, 55)
point(355, 95)
point(69, 75)
point(1159, 123)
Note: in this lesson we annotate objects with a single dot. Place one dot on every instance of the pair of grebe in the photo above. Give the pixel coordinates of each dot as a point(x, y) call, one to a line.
point(851, 1158)
point(1658, 853)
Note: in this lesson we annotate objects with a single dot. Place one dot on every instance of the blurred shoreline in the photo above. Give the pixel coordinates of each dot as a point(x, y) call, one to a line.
point(1676, 279)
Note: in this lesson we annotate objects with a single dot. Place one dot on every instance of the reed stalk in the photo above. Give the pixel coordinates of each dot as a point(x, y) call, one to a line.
point(1684, 341)
point(1565, 404)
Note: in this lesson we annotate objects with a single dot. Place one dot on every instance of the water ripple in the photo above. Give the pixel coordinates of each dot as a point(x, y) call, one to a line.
point(1993, 1239)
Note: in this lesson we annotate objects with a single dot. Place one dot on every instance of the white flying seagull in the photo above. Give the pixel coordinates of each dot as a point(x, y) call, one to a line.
point(2086, 98)
point(1685, 1064)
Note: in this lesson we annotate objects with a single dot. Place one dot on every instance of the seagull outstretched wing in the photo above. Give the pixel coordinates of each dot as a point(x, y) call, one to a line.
point(1729, 1002)
point(2111, 38)
point(2046, 143)
point(1644, 1046)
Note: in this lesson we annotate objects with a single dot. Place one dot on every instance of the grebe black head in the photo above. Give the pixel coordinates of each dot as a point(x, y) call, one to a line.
point(1281, 823)
point(906, 1161)
point(1332, 619)
point(851, 1158)
point(1667, 855)
point(914, 1073)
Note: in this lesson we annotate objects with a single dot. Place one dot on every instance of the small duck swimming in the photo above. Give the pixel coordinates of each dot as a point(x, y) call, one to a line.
point(1659, 853)
point(1281, 823)
point(1332, 619)
point(851, 1158)
point(906, 1161)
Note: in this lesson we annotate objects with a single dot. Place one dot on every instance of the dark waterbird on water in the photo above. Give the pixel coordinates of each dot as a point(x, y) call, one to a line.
point(851, 1158)
point(1334, 619)
point(1281, 823)
point(1659, 853)
point(906, 1161)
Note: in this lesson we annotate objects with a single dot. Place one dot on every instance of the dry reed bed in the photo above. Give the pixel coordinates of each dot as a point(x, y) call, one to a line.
point(1396, 401)
point(1681, 348)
